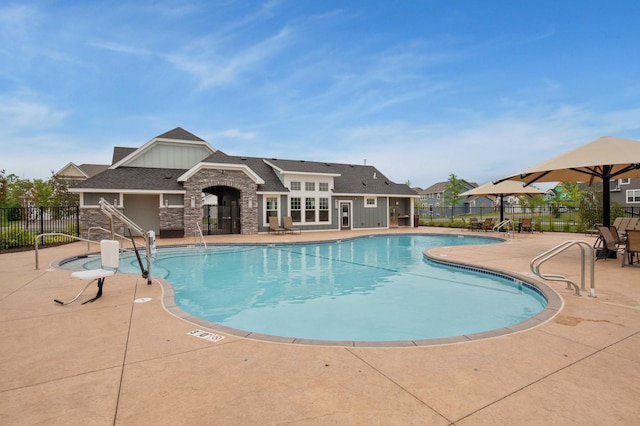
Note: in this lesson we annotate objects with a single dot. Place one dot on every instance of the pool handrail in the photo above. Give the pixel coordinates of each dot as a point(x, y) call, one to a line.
point(535, 263)
point(46, 234)
point(506, 224)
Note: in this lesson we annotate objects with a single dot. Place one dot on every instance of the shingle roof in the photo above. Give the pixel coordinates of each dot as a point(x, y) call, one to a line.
point(119, 152)
point(180, 134)
point(93, 169)
point(135, 178)
point(350, 179)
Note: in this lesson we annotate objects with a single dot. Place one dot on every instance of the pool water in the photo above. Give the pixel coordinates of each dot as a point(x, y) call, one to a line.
point(377, 288)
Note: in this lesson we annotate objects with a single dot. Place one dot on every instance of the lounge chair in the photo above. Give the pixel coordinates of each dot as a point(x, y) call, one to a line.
point(109, 258)
point(525, 225)
point(617, 237)
point(287, 222)
point(487, 224)
point(632, 247)
point(624, 223)
point(274, 226)
point(606, 245)
point(633, 223)
point(616, 222)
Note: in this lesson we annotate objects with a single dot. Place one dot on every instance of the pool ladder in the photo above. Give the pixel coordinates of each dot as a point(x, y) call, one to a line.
point(585, 248)
point(505, 226)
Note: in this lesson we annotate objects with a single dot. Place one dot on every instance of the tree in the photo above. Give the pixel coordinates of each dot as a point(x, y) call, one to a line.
point(452, 191)
point(573, 192)
point(531, 202)
point(61, 197)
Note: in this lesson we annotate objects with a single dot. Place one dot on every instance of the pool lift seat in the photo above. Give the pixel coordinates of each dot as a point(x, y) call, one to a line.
point(109, 257)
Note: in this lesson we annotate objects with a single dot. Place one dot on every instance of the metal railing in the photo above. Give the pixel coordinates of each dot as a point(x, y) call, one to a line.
point(507, 226)
point(585, 247)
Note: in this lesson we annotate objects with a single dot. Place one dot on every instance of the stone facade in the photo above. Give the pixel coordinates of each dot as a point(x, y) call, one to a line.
point(92, 217)
point(171, 219)
point(207, 178)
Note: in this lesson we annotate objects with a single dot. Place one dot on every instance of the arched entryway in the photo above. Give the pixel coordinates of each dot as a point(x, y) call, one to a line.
point(223, 215)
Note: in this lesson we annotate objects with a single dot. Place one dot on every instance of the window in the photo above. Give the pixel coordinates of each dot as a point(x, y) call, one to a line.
point(370, 202)
point(310, 186)
point(633, 196)
point(173, 200)
point(295, 209)
point(93, 198)
point(323, 186)
point(272, 206)
point(323, 205)
point(309, 209)
point(626, 181)
point(295, 186)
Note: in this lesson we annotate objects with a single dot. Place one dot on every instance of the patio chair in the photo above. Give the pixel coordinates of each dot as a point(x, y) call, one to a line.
point(632, 247)
point(287, 222)
point(474, 225)
point(525, 225)
point(606, 245)
point(487, 224)
point(617, 237)
point(109, 258)
point(633, 223)
point(274, 226)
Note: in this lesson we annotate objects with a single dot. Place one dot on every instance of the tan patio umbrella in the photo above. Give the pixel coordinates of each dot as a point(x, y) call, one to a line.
point(503, 189)
point(603, 159)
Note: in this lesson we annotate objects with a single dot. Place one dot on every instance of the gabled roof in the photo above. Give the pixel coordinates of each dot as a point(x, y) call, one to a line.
point(178, 137)
point(179, 134)
point(82, 171)
point(441, 187)
point(347, 178)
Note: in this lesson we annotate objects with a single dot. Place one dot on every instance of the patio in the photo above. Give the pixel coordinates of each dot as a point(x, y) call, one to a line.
point(124, 363)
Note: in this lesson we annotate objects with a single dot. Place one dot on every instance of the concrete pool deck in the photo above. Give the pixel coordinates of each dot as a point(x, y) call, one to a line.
point(124, 363)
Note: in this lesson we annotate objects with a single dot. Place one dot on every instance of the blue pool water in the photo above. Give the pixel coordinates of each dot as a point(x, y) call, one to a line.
point(376, 288)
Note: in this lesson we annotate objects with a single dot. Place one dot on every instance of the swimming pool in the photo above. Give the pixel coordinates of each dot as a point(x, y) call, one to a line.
point(367, 289)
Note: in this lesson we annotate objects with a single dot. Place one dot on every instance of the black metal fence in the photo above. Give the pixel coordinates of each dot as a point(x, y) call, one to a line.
point(561, 219)
point(20, 226)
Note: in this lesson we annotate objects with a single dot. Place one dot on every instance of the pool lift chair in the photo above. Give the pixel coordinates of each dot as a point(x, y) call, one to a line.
point(110, 258)
point(110, 251)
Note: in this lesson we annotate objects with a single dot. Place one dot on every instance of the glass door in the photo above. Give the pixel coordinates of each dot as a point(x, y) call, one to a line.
point(345, 216)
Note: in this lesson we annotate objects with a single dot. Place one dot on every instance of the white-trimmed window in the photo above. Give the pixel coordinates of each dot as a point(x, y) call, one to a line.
point(626, 181)
point(295, 185)
point(633, 196)
point(295, 209)
point(323, 186)
point(272, 206)
point(309, 209)
point(93, 198)
point(173, 200)
point(323, 206)
point(310, 186)
point(370, 201)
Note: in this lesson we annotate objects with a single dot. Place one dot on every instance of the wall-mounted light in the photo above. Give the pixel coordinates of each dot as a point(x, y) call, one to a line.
point(115, 201)
point(250, 203)
point(193, 201)
point(166, 203)
point(336, 204)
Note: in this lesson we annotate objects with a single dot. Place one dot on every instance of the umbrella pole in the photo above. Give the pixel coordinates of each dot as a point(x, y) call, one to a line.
point(606, 198)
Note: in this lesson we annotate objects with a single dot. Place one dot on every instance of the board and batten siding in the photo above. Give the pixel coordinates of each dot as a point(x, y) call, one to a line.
point(170, 156)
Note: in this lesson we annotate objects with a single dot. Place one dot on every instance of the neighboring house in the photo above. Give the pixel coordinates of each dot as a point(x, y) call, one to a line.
point(160, 187)
point(72, 173)
point(433, 199)
point(626, 192)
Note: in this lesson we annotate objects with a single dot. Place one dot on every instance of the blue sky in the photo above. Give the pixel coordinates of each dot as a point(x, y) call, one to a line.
point(419, 89)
